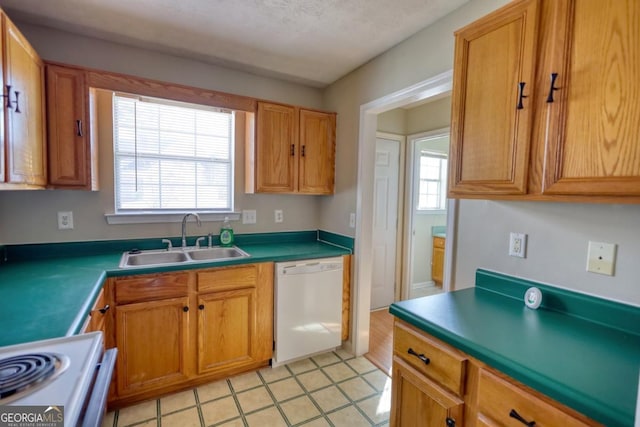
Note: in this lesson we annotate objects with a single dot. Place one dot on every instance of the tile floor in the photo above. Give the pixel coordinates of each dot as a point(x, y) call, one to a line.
point(331, 389)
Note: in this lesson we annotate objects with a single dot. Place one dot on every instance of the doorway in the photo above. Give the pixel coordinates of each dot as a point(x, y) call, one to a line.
point(427, 212)
point(385, 221)
point(364, 258)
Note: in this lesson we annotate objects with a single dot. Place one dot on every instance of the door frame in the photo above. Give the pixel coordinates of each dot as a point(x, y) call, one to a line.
point(410, 202)
point(401, 139)
point(427, 89)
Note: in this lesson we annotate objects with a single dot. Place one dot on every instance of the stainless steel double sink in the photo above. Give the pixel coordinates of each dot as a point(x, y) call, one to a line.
point(174, 256)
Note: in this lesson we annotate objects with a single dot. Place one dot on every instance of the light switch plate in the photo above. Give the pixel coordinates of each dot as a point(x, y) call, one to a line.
point(248, 216)
point(601, 258)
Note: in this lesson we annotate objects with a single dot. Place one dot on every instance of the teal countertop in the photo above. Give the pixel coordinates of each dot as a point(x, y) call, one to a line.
point(571, 356)
point(51, 296)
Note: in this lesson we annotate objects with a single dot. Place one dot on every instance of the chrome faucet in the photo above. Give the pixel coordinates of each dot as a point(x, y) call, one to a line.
point(184, 226)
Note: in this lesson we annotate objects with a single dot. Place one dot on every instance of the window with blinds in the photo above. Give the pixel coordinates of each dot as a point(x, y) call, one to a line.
point(171, 156)
point(432, 190)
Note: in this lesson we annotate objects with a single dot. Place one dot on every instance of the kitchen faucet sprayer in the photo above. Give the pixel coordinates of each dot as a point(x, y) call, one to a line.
point(184, 226)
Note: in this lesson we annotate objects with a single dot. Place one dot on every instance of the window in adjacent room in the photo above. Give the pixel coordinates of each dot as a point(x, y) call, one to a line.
point(171, 156)
point(432, 190)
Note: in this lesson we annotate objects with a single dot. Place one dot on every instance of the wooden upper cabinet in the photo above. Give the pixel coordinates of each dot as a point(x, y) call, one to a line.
point(317, 152)
point(576, 137)
point(593, 135)
point(24, 120)
point(276, 165)
point(292, 151)
point(490, 131)
point(72, 153)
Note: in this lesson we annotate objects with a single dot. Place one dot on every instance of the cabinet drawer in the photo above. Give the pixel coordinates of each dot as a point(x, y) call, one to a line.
point(227, 278)
point(447, 366)
point(498, 398)
point(150, 287)
point(438, 242)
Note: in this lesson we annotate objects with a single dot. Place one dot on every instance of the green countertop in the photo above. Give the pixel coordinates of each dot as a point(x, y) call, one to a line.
point(51, 297)
point(591, 367)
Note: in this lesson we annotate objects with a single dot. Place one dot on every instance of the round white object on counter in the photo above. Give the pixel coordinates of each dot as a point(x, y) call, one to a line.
point(533, 298)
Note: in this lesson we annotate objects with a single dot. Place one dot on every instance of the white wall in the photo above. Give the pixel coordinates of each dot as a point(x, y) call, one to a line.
point(429, 116)
point(424, 55)
point(483, 226)
point(393, 121)
point(31, 216)
point(558, 234)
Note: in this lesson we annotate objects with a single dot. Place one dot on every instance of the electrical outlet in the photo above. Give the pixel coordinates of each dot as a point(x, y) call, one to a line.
point(601, 258)
point(248, 216)
point(278, 215)
point(65, 220)
point(518, 245)
point(352, 220)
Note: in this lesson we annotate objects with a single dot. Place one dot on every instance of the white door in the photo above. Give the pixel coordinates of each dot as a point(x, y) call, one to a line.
point(385, 221)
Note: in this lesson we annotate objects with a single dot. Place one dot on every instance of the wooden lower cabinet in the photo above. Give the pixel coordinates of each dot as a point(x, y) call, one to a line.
point(177, 330)
point(420, 402)
point(231, 323)
point(435, 384)
point(153, 344)
point(437, 260)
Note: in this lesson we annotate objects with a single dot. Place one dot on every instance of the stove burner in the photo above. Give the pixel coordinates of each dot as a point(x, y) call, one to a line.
point(24, 373)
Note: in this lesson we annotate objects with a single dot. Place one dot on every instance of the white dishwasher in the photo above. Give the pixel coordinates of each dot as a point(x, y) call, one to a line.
point(308, 308)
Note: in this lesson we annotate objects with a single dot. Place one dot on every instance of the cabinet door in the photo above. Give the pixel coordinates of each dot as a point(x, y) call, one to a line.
point(593, 134)
point(70, 151)
point(276, 166)
point(235, 326)
point(420, 402)
point(97, 315)
point(317, 152)
point(437, 260)
point(153, 341)
point(490, 135)
point(25, 130)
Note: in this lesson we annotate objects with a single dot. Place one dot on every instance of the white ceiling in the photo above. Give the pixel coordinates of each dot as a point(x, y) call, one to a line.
point(313, 42)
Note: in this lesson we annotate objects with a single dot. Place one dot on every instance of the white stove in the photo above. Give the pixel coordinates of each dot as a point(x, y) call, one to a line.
point(71, 372)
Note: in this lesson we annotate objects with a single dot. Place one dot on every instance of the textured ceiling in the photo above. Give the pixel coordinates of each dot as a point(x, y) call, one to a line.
point(307, 41)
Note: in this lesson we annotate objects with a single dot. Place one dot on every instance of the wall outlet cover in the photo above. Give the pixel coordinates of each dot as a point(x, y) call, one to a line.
point(65, 220)
point(278, 216)
point(518, 245)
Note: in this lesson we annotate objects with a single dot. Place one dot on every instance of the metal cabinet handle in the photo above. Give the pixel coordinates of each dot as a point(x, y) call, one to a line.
point(293, 149)
point(104, 309)
point(521, 95)
point(450, 422)
point(8, 97)
point(552, 87)
point(303, 148)
point(517, 416)
point(79, 128)
point(420, 356)
point(185, 309)
point(201, 307)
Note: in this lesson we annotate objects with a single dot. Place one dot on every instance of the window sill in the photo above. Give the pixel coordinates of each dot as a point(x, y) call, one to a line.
point(155, 218)
point(431, 211)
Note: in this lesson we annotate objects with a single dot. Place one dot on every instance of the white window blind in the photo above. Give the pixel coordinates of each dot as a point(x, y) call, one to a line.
point(432, 191)
point(171, 156)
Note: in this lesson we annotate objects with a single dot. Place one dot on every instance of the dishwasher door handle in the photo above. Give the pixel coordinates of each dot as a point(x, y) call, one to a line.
point(312, 268)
